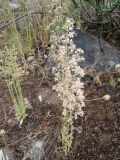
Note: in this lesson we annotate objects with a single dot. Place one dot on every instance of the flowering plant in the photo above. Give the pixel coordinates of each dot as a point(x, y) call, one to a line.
point(68, 76)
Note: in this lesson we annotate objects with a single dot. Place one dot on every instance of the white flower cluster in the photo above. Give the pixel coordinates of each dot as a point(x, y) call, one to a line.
point(67, 72)
point(55, 11)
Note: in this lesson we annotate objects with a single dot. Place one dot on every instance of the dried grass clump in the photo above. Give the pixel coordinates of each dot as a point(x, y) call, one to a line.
point(68, 76)
point(12, 75)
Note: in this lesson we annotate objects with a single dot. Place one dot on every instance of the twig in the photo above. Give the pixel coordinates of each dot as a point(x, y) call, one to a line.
point(18, 18)
point(75, 3)
point(93, 99)
point(95, 22)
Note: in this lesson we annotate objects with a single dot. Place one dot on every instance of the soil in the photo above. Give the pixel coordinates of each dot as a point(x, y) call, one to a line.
point(100, 139)
point(43, 119)
point(100, 136)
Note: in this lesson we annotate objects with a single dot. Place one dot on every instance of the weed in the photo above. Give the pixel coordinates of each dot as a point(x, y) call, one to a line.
point(68, 80)
point(11, 35)
point(12, 74)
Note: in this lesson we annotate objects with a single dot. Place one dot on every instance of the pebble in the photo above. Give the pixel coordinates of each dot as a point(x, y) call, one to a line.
point(37, 151)
point(40, 98)
point(106, 97)
point(27, 103)
point(30, 59)
point(5, 155)
point(2, 132)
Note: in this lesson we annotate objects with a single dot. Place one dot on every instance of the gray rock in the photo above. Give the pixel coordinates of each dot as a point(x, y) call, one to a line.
point(27, 103)
point(101, 60)
point(48, 96)
point(2, 156)
point(79, 129)
point(36, 152)
point(30, 59)
point(5, 155)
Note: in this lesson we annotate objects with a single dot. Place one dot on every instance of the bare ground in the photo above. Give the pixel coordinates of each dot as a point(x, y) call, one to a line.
point(100, 137)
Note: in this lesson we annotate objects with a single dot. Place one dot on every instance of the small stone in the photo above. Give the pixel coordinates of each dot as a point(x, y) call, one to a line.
point(78, 129)
point(37, 151)
point(30, 59)
point(117, 68)
point(40, 98)
point(5, 155)
point(106, 97)
point(21, 122)
point(27, 103)
point(39, 144)
point(45, 56)
point(2, 155)
point(2, 132)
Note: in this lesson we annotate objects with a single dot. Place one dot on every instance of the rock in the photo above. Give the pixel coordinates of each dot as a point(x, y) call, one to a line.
point(5, 155)
point(100, 60)
point(79, 129)
point(40, 98)
point(38, 144)
point(2, 156)
point(27, 103)
point(30, 59)
point(2, 132)
point(37, 151)
point(106, 97)
point(48, 96)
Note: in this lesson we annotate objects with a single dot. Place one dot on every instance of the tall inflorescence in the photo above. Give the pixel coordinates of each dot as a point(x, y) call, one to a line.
point(56, 11)
point(68, 74)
